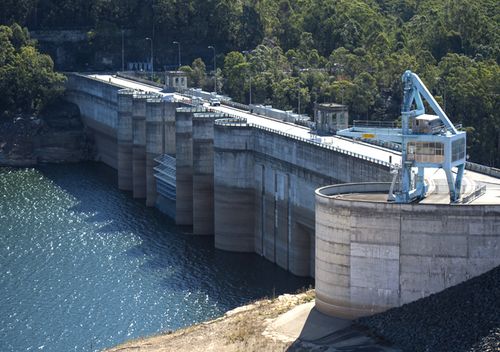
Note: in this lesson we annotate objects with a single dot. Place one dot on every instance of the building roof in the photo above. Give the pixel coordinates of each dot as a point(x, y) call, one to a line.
point(331, 106)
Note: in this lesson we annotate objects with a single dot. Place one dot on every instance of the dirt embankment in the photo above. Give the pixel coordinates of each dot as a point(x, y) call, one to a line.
point(57, 135)
point(288, 323)
point(242, 329)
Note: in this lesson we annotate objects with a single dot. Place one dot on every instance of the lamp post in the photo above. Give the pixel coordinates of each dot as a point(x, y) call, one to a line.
point(246, 52)
point(298, 96)
point(215, 69)
point(123, 51)
point(179, 51)
point(152, 67)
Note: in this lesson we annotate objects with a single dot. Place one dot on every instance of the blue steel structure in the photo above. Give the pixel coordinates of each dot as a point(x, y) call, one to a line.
point(427, 141)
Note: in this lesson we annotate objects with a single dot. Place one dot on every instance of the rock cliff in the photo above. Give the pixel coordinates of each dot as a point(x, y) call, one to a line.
point(56, 135)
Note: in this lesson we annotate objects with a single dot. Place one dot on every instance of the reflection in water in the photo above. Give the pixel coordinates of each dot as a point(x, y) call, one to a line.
point(84, 266)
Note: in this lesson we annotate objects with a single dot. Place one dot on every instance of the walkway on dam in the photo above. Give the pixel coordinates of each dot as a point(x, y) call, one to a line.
point(367, 150)
point(487, 188)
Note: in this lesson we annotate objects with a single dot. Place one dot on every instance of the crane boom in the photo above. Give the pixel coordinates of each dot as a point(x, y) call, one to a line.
point(427, 141)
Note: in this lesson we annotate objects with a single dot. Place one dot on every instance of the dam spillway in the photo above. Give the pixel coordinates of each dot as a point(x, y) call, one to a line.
point(250, 181)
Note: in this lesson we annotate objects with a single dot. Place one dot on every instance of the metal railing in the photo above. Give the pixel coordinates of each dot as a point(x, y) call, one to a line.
point(478, 192)
point(378, 124)
point(482, 169)
point(236, 105)
point(242, 122)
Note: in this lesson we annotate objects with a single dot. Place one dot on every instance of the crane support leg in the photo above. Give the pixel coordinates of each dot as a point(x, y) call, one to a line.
point(455, 184)
point(421, 189)
point(458, 180)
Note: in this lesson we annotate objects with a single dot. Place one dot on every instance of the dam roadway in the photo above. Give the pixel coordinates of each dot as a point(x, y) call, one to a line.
point(436, 195)
point(315, 206)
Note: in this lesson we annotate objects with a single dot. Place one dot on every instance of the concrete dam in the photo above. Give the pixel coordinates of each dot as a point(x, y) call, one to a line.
point(267, 186)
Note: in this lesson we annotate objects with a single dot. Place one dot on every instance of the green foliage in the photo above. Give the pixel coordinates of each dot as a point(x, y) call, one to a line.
point(198, 75)
point(235, 72)
point(27, 79)
point(350, 51)
point(287, 93)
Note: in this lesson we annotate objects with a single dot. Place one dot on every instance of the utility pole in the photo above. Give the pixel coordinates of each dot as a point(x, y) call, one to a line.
point(215, 69)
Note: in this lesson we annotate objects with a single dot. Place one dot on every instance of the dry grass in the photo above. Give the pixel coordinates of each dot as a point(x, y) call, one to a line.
point(239, 330)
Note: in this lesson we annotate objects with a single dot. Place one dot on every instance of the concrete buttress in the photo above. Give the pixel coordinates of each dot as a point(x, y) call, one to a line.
point(154, 144)
point(139, 145)
point(124, 139)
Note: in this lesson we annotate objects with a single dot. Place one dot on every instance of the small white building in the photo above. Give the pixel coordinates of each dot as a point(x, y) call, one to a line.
point(330, 117)
point(175, 81)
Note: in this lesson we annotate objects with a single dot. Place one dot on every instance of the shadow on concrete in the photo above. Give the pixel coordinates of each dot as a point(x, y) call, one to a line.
point(319, 332)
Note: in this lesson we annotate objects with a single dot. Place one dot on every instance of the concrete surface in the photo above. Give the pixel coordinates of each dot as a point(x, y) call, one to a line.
point(373, 255)
point(310, 329)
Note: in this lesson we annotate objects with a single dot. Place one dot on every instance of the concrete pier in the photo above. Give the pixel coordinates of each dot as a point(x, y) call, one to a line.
point(154, 144)
point(124, 139)
point(203, 172)
point(169, 128)
point(184, 166)
point(139, 145)
point(234, 210)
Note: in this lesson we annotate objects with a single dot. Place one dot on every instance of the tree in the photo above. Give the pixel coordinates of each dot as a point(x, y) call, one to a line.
point(365, 93)
point(27, 79)
point(198, 74)
point(286, 94)
point(472, 90)
point(235, 70)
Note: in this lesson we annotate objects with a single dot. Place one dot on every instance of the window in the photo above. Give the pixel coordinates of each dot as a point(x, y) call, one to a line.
point(426, 152)
point(458, 149)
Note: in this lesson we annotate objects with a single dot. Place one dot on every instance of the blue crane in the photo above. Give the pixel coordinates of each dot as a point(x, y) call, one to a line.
point(427, 141)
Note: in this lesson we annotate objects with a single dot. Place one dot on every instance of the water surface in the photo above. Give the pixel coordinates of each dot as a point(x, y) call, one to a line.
point(83, 266)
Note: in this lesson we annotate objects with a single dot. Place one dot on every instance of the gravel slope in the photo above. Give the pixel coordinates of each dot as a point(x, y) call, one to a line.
point(465, 317)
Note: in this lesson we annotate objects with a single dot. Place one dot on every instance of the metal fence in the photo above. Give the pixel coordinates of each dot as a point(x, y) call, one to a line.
point(242, 122)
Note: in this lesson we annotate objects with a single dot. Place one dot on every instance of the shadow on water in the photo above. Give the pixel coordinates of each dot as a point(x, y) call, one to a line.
point(184, 262)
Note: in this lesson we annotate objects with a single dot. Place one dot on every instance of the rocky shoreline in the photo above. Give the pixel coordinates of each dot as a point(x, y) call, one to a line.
point(56, 135)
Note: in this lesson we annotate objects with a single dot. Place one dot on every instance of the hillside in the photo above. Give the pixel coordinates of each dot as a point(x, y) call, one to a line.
point(346, 51)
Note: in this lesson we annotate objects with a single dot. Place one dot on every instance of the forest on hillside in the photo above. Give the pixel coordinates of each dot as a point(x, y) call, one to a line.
point(344, 51)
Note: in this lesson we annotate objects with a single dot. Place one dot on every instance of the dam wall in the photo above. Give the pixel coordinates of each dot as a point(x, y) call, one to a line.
point(98, 103)
point(264, 191)
point(373, 255)
point(257, 189)
point(131, 129)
